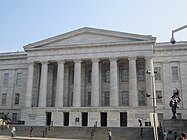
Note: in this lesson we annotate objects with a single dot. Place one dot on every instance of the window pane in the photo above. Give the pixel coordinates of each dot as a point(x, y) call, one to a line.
point(3, 99)
point(158, 74)
point(18, 79)
point(106, 98)
point(89, 76)
point(124, 75)
point(141, 74)
point(141, 98)
point(174, 73)
point(17, 95)
point(14, 117)
point(6, 77)
point(107, 75)
point(159, 94)
point(125, 98)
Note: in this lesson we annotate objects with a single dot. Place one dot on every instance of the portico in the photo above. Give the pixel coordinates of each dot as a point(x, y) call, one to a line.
point(89, 69)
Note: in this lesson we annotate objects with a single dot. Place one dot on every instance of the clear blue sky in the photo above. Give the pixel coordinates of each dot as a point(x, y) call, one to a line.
point(27, 21)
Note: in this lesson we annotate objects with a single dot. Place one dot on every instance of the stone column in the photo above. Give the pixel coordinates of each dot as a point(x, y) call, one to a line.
point(95, 83)
point(149, 88)
point(77, 84)
point(114, 87)
point(43, 85)
point(29, 87)
point(133, 91)
point(60, 84)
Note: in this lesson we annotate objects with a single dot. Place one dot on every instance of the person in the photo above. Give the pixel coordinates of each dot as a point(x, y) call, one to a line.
point(140, 122)
point(31, 130)
point(165, 134)
point(109, 135)
point(13, 132)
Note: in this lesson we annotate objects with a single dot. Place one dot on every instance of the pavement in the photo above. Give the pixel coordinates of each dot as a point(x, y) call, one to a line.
point(32, 138)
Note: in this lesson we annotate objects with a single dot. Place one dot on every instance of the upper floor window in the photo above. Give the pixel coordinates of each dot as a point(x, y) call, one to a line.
point(3, 102)
point(159, 96)
point(106, 98)
point(107, 75)
point(14, 117)
point(175, 73)
point(141, 98)
point(141, 74)
point(124, 98)
point(124, 75)
point(158, 74)
point(6, 78)
point(89, 76)
point(17, 96)
point(18, 79)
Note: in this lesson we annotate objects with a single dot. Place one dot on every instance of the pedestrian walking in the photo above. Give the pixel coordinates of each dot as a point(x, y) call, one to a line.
point(31, 130)
point(13, 132)
point(109, 135)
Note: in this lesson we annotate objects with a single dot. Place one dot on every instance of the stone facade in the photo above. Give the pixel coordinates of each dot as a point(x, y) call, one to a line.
point(92, 75)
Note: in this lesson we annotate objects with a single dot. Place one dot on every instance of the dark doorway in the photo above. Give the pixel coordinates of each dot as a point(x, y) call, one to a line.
point(103, 119)
point(48, 118)
point(123, 119)
point(66, 118)
point(84, 118)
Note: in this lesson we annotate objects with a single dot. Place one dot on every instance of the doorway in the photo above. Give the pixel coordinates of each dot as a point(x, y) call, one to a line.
point(66, 118)
point(84, 118)
point(48, 118)
point(123, 119)
point(103, 119)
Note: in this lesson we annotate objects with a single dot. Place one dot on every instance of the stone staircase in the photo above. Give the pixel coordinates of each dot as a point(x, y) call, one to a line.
point(100, 133)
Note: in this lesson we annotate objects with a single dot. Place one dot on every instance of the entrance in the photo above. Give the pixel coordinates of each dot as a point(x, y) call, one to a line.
point(103, 119)
point(123, 119)
point(66, 118)
point(48, 118)
point(84, 118)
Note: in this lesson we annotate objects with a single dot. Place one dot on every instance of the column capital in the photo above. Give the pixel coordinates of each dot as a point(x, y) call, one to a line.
point(61, 61)
point(95, 60)
point(44, 62)
point(77, 60)
point(148, 57)
point(132, 58)
point(113, 59)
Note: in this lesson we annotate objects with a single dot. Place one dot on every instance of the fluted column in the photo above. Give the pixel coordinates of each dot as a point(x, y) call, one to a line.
point(29, 87)
point(149, 88)
point(43, 85)
point(60, 84)
point(133, 91)
point(114, 87)
point(95, 83)
point(77, 84)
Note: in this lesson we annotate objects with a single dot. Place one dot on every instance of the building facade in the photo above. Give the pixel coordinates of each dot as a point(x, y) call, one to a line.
point(92, 75)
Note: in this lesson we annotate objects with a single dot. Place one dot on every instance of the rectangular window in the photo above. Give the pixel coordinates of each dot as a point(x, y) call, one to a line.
point(14, 117)
point(89, 76)
point(124, 75)
point(6, 77)
point(18, 79)
point(4, 99)
point(175, 73)
point(158, 74)
point(107, 75)
point(141, 98)
point(141, 74)
point(159, 96)
point(160, 117)
point(17, 96)
point(88, 99)
point(124, 98)
point(106, 98)
point(72, 77)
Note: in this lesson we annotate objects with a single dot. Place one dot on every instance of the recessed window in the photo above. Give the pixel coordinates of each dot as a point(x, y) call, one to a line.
point(6, 77)
point(107, 75)
point(18, 79)
point(124, 75)
point(17, 96)
point(141, 98)
point(175, 73)
point(158, 74)
point(4, 96)
point(159, 96)
point(106, 98)
point(141, 74)
point(124, 98)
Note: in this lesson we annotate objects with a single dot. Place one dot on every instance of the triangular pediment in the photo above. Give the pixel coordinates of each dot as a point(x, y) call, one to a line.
point(88, 36)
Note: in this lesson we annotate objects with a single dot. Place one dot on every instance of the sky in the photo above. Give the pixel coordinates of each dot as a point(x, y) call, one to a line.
point(27, 21)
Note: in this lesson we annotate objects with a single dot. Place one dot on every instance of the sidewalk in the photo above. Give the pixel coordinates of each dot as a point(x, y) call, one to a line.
point(32, 138)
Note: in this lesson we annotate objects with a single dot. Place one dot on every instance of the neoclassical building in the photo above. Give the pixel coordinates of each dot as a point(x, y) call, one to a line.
point(93, 75)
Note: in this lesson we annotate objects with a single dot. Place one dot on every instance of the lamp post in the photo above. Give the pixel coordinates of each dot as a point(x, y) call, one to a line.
point(173, 41)
point(152, 75)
